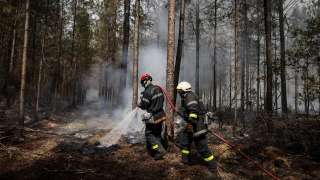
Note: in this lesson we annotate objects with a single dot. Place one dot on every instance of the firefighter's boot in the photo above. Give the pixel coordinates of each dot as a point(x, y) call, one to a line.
point(160, 152)
point(185, 156)
point(210, 163)
point(212, 166)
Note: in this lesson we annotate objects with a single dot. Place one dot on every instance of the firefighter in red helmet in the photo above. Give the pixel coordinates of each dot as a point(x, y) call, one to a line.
point(152, 101)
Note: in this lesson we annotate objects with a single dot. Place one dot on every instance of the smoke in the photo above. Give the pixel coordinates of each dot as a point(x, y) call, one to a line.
point(153, 60)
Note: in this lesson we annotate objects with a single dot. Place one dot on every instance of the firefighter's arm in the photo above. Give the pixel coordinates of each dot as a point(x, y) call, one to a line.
point(156, 99)
point(144, 101)
point(193, 108)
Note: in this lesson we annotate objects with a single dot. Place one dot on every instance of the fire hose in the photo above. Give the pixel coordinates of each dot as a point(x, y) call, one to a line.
point(232, 146)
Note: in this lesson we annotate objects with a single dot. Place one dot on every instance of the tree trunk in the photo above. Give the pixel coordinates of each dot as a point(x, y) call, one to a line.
point(197, 88)
point(230, 86)
point(236, 46)
point(215, 57)
point(251, 77)
point(170, 63)
point(125, 45)
point(32, 75)
point(246, 55)
point(220, 94)
point(284, 105)
point(306, 88)
point(296, 93)
point(74, 63)
point(258, 69)
point(267, 15)
point(60, 79)
point(179, 48)
point(136, 55)
point(13, 44)
point(275, 94)
point(39, 74)
point(319, 80)
point(23, 68)
point(242, 54)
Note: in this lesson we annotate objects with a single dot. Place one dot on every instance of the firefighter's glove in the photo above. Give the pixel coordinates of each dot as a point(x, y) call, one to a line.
point(147, 118)
point(210, 117)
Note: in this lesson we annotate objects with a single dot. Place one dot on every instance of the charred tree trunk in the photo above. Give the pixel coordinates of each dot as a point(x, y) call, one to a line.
point(170, 63)
point(230, 86)
point(136, 55)
point(246, 53)
point(59, 73)
point(32, 74)
point(258, 69)
point(125, 46)
point(39, 75)
point(275, 93)
point(197, 48)
point(236, 46)
point(74, 63)
point(306, 88)
point(13, 44)
point(242, 54)
point(179, 48)
point(267, 20)
point(319, 80)
point(284, 105)
point(296, 93)
point(23, 67)
point(243, 60)
point(215, 58)
point(220, 94)
point(42, 59)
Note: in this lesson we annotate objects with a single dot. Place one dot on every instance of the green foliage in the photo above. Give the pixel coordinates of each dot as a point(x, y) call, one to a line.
point(84, 37)
point(106, 38)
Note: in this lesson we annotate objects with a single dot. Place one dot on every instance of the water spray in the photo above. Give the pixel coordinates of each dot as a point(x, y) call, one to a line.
point(121, 128)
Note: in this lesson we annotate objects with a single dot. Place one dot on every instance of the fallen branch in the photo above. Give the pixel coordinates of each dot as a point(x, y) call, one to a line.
point(41, 131)
point(77, 171)
point(5, 137)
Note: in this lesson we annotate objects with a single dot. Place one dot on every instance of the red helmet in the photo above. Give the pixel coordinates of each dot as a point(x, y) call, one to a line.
point(145, 77)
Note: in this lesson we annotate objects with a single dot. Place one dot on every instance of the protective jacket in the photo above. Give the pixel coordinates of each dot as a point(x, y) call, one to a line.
point(152, 100)
point(192, 107)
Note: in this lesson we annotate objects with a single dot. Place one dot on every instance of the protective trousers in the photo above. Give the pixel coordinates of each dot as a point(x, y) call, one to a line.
point(201, 143)
point(156, 140)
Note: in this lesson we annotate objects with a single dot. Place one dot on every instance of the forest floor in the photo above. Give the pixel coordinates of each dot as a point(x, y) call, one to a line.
point(56, 148)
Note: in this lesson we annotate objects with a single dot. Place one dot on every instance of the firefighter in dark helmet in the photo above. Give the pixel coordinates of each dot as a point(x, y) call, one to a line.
point(152, 101)
point(196, 128)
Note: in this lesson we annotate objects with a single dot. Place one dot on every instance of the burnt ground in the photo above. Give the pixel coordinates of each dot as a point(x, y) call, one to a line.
point(50, 151)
